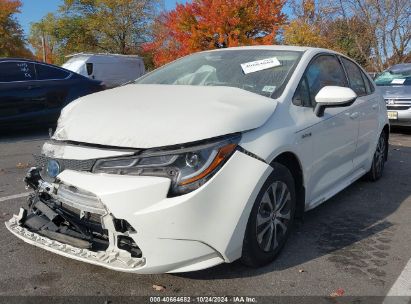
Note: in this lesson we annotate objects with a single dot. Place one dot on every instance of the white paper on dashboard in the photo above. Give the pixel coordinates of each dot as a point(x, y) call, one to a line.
point(398, 81)
point(259, 65)
point(269, 89)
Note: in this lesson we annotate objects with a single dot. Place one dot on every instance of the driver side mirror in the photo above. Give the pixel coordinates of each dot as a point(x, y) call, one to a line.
point(332, 97)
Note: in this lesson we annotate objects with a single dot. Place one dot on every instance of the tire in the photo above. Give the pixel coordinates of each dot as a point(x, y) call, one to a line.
point(267, 228)
point(380, 156)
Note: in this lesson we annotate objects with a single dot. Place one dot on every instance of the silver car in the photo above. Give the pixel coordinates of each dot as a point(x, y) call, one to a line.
point(395, 86)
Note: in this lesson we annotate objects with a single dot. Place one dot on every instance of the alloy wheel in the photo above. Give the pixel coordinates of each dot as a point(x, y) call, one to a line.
point(379, 156)
point(273, 216)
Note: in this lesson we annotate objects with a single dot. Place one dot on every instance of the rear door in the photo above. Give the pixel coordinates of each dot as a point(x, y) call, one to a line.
point(368, 108)
point(20, 97)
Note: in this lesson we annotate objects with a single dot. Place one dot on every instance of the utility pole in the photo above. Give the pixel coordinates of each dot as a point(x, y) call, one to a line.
point(43, 44)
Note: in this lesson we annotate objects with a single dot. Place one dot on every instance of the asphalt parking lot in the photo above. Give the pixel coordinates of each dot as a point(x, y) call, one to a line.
point(358, 243)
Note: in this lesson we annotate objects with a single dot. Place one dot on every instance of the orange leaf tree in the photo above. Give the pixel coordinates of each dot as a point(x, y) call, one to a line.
point(208, 24)
point(12, 41)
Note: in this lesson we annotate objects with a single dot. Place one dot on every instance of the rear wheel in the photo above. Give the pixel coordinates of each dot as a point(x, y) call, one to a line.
point(271, 218)
point(380, 156)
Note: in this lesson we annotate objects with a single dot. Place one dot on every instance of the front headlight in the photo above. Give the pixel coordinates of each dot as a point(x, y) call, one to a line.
point(188, 167)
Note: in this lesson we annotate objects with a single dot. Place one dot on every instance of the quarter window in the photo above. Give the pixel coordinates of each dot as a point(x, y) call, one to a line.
point(369, 86)
point(45, 72)
point(89, 67)
point(355, 77)
point(366, 83)
point(302, 94)
point(16, 71)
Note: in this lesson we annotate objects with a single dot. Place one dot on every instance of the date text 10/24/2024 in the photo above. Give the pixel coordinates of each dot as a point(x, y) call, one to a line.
point(203, 299)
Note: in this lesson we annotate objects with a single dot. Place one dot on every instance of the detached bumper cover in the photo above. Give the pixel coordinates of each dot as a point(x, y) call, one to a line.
point(109, 259)
point(190, 232)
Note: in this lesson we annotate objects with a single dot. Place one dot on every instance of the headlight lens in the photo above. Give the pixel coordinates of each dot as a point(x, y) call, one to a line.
point(187, 167)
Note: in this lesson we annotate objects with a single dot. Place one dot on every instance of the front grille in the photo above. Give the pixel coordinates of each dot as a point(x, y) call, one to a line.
point(399, 107)
point(398, 100)
point(70, 164)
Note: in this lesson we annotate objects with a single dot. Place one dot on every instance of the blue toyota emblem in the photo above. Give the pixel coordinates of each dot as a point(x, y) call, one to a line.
point(53, 168)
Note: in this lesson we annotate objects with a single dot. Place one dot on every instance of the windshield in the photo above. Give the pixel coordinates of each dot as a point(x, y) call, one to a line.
point(389, 78)
point(264, 72)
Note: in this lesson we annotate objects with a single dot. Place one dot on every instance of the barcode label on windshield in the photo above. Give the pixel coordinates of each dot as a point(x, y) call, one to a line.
point(259, 65)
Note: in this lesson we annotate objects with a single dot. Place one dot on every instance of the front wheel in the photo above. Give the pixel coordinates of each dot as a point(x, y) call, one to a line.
point(379, 158)
point(271, 218)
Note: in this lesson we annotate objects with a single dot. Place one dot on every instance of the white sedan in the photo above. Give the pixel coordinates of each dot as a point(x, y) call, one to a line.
point(204, 161)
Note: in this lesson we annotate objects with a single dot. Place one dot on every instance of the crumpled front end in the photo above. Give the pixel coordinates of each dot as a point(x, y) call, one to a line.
point(74, 223)
point(129, 223)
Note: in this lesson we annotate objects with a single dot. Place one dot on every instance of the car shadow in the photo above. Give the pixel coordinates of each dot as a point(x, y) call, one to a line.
point(353, 228)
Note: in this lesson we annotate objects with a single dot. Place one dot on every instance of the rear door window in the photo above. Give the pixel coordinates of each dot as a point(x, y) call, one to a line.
point(12, 71)
point(45, 72)
point(354, 75)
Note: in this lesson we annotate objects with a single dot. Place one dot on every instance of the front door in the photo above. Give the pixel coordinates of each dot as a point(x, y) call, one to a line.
point(333, 137)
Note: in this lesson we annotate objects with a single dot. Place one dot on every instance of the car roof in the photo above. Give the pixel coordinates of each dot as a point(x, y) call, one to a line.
point(401, 67)
point(308, 51)
point(28, 60)
point(38, 62)
point(101, 55)
point(19, 59)
point(43, 63)
point(276, 48)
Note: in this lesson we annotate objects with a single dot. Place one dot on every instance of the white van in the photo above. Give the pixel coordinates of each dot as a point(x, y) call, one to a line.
point(112, 69)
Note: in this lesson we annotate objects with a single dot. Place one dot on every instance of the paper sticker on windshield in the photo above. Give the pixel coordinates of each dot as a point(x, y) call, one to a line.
point(269, 89)
point(398, 81)
point(259, 65)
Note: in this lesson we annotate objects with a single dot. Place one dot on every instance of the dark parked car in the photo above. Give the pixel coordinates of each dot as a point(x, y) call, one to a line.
point(33, 93)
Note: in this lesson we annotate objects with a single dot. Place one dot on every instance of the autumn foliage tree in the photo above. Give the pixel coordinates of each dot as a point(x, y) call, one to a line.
point(109, 26)
point(306, 29)
point(208, 24)
point(12, 42)
point(376, 33)
point(316, 26)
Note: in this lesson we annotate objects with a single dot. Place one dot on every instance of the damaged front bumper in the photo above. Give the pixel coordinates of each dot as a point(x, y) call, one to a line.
point(112, 259)
point(128, 223)
point(83, 230)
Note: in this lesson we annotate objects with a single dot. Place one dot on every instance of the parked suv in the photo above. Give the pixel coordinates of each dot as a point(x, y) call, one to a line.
point(33, 93)
point(204, 161)
point(395, 85)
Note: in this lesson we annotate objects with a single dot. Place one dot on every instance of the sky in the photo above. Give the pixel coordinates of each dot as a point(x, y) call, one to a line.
point(34, 10)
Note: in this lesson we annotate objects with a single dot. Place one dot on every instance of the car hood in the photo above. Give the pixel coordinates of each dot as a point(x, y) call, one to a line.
point(148, 116)
point(395, 91)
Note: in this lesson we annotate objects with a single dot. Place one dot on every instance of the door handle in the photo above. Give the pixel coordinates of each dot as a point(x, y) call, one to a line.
point(354, 115)
point(30, 87)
